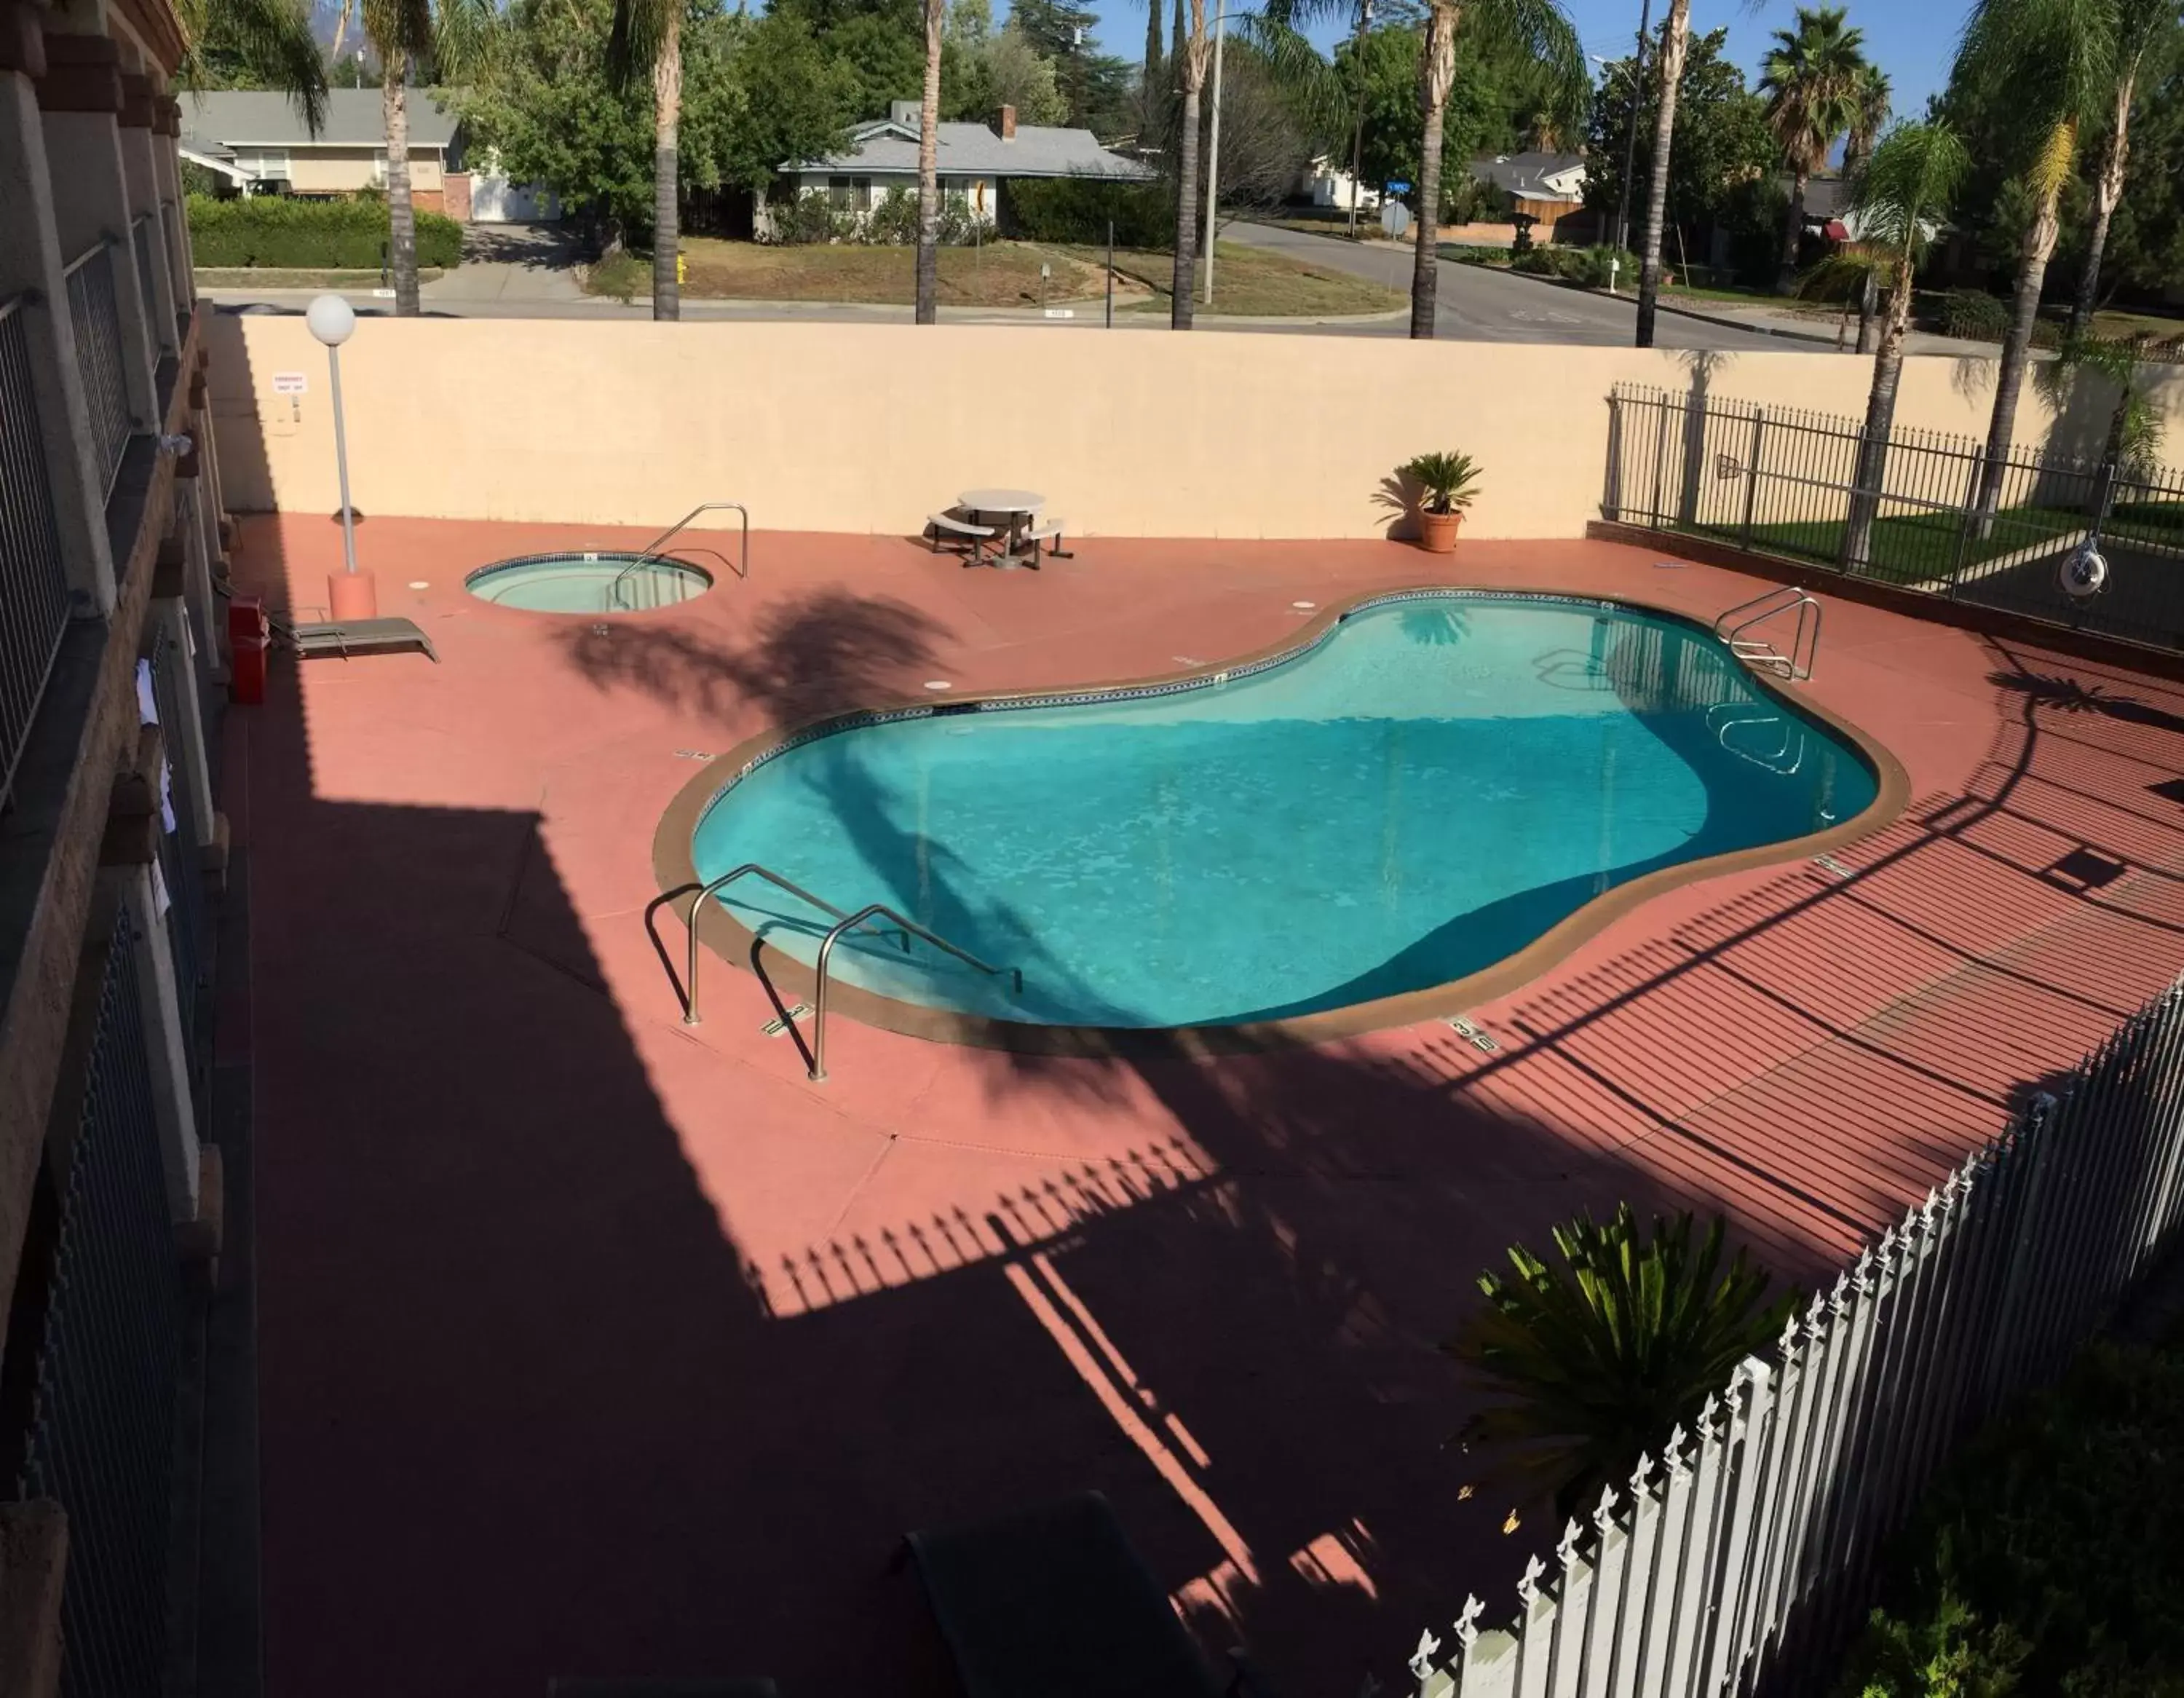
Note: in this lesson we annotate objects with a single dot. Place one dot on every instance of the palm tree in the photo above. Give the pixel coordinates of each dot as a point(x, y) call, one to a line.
point(2143, 28)
point(1675, 40)
point(1190, 58)
point(2053, 63)
point(1811, 78)
point(273, 38)
point(402, 32)
point(1900, 196)
point(928, 167)
point(1869, 99)
point(648, 35)
point(1537, 29)
point(1600, 1358)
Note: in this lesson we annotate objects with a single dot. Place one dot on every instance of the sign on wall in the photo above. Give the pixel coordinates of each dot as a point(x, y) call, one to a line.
point(290, 383)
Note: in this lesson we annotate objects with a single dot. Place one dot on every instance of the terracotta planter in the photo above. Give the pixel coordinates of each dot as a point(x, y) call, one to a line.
point(1437, 532)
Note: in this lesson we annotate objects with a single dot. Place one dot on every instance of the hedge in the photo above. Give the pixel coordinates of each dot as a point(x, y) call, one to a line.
point(273, 230)
point(1077, 209)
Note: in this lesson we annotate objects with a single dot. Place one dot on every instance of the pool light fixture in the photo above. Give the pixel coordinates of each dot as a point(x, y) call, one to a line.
point(1304, 606)
point(939, 684)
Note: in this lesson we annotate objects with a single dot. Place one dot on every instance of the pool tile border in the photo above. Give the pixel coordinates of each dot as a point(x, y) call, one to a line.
point(722, 934)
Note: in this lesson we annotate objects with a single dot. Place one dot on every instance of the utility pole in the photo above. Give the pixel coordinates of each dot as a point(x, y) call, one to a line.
point(1357, 129)
point(1630, 141)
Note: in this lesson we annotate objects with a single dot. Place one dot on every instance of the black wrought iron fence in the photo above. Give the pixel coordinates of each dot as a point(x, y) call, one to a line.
point(102, 1425)
point(33, 580)
point(95, 317)
point(1787, 481)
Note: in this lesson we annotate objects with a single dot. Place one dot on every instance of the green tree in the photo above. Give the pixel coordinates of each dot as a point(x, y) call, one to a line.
point(1812, 78)
point(1598, 1359)
point(453, 38)
point(1150, 75)
point(2145, 36)
point(799, 100)
point(883, 55)
point(1720, 142)
point(1016, 74)
point(2050, 64)
point(1901, 196)
point(254, 44)
point(1380, 71)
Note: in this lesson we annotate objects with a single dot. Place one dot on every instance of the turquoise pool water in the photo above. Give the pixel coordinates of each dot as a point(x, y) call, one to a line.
point(592, 582)
point(1424, 792)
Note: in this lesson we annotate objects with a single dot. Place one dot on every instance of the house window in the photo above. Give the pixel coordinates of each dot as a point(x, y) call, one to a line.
point(263, 162)
point(860, 193)
point(956, 192)
point(838, 191)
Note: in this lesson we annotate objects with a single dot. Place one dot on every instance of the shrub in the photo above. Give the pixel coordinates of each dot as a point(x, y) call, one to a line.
point(346, 235)
point(317, 234)
point(1077, 209)
point(810, 217)
point(622, 275)
point(893, 220)
point(1974, 314)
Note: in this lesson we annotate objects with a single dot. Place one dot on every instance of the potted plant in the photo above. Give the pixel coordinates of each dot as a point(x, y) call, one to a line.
point(1446, 484)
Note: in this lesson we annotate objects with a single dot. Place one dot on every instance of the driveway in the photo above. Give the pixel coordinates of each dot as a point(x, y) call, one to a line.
point(509, 265)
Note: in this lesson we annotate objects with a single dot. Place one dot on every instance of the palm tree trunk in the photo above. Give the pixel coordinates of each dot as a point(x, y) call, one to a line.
point(1869, 308)
point(1183, 282)
point(1676, 36)
point(1879, 420)
point(1793, 230)
point(2108, 190)
point(2009, 372)
point(666, 204)
point(1436, 72)
point(1191, 68)
point(928, 165)
point(401, 213)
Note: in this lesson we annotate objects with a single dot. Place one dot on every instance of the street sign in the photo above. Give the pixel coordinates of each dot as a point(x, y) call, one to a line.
point(290, 383)
point(1399, 188)
point(1395, 219)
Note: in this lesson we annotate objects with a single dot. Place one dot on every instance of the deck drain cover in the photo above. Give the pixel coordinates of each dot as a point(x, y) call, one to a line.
point(777, 1025)
point(1476, 1035)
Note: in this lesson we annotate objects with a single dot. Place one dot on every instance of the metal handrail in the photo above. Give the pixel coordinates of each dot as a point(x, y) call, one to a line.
point(651, 552)
point(827, 949)
point(90, 254)
point(753, 868)
point(1757, 612)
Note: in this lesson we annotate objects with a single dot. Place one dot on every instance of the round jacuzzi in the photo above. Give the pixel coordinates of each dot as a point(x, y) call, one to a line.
point(594, 581)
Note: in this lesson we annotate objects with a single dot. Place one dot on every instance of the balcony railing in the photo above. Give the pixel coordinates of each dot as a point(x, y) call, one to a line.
point(96, 317)
point(33, 581)
point(171, 227)
point(143, 241)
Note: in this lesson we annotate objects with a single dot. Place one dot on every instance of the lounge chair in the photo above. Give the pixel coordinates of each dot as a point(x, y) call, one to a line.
point(1052, 1602)
point(959, 532)
point(350, 637)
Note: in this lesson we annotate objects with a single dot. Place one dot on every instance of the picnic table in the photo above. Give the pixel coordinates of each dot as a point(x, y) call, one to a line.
point(1018, 508)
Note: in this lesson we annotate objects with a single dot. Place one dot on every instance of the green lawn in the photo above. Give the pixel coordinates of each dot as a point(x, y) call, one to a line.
point(1913, 547)
point(1257, 282)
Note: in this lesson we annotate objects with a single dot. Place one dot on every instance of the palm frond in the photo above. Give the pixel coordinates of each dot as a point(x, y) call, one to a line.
point(1540, 31)
point(639, 28)
point(273, 38)
point(1901, 193)
point(1598, 1359)
point(463, 36)
point(398, 29)
point(1315, 90)
point(2052, 64)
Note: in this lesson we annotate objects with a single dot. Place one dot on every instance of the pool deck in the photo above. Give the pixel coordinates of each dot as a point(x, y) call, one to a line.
point(592, 1343)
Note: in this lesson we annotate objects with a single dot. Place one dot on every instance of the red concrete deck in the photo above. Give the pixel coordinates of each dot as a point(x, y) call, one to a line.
point(594, 1345)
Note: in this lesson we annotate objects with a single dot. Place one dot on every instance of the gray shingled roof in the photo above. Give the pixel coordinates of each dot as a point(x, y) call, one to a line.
point(974, 150)
point(230, 118)
point(1524, 175)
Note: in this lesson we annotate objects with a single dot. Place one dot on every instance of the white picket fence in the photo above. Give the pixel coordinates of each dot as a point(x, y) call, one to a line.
point(1742, 1560)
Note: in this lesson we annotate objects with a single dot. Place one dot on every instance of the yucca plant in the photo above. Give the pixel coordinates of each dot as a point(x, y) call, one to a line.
point(1599, 1358)
point(1446, 482)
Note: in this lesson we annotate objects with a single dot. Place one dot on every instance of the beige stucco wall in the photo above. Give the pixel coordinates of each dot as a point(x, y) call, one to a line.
point(870, 427)
point(345, 170)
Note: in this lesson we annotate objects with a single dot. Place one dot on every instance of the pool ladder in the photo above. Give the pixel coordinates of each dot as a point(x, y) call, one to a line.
point(903, 926)
point(1734, 626)
point(651, 555)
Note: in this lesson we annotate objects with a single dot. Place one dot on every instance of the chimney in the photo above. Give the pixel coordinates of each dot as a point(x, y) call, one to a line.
point(1008, 124)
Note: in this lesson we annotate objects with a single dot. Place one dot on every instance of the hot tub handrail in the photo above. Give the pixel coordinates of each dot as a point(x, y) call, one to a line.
point(651, 551)
point(707, 894)
point(875, 911)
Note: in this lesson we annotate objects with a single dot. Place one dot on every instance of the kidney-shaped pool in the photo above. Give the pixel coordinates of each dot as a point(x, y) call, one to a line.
point(1433, 785)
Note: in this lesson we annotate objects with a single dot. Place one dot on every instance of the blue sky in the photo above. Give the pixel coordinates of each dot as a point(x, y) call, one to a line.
point(1912, 39)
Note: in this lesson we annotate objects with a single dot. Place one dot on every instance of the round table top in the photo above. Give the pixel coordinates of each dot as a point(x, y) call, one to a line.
point(1002, 500)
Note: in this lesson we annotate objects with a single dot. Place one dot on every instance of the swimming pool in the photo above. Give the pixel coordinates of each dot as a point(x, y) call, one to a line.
point(1432, 785)
point(593, 581)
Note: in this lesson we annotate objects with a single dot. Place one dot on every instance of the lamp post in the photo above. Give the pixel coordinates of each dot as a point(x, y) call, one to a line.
point(350, 594)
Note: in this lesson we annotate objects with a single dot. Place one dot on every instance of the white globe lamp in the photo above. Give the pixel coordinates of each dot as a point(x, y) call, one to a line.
point(350, 594)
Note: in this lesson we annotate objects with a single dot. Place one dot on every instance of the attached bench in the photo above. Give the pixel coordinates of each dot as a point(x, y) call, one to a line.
point(1053, 1602)
point(351, 638)
point(1048, 530)
point(960, 531)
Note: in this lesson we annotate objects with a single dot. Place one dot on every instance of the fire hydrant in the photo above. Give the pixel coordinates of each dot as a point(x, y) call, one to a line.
point(681, 268)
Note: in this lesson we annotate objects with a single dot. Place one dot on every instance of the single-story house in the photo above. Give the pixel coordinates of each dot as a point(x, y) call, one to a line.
point(1327, 184)
point(1550, 187)
point(973, 161)
point(257, 139)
